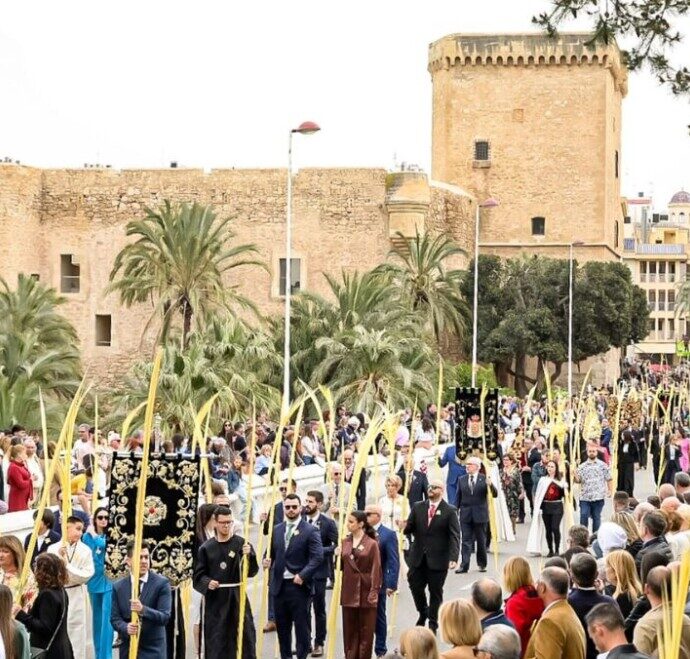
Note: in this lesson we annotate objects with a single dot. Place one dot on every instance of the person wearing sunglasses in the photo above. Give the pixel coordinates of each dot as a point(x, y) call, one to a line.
point(295, 555)
point(100, 589)
point(435, 543)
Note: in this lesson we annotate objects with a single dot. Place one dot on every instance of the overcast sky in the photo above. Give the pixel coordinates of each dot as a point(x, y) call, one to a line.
point(218, 84)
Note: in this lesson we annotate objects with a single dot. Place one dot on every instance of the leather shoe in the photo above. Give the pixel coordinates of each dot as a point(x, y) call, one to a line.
point(482, 569)
point(421, 621)
point(270, 626)
point(462, 570)
point(317, 651)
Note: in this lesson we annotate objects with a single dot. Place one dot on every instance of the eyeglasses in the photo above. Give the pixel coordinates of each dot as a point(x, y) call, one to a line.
point(282, 489)
point(435, 487)
point(102, 517)
point(477, 650)
point(291, 507)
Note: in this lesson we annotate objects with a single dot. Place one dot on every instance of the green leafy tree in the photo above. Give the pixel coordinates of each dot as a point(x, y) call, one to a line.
point(180, 261)
point(38, 349)
point(419, 271)
point(229, 358)
point(651, 27)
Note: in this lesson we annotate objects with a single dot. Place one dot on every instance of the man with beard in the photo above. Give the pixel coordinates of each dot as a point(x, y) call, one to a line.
point(217, 576)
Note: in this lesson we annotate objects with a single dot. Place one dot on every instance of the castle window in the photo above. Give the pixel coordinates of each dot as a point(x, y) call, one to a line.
point(69, 273)
point(35, 276)
point(103, 330)
point(295, 275)
point(538, 226)
point(616, 164)
point(626, 219)
point(481, 150)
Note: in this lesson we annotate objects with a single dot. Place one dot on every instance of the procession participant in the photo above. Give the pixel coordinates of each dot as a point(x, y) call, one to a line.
point(390, 568)
point(628, 463)
point(79, 563)
point(84, 445)
point(548, 506)
point(671, 458)
point(596, 485)
point(419, 484)
point(153, 606)
point(19, 480)
point(473, 490)
point(392, 503)
point(295, 555)
point(46, 535)
point(329, 541)
point(455, 470)
point(361, 492)
point(217, 576)
point(513, 490)
point(12, 559)
point(362, 580)
point(269, 520)
point(335, 493)
point(435, 538)
point(100, 589)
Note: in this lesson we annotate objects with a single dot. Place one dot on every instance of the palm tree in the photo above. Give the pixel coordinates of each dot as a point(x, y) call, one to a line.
point(178, 261)
point(38, 348)
point(420, 274)
point(229, 358)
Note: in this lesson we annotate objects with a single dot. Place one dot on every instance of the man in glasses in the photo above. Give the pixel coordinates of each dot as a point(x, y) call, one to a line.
point(295, 555)
point(435, 544)
point(217, 576)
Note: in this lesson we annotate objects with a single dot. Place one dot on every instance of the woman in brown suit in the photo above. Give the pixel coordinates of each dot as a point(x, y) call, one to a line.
point(362, 577)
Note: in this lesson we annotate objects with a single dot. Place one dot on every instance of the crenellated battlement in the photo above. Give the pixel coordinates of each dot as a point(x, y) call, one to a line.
point(526, 50)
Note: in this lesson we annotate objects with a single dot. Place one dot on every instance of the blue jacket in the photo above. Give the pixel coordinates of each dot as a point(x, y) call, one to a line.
point(57, 526)
point(302, 556)
point(51, 539)
point(455, 470)
point(157, 600)
point(98, 583)
point(390, 558)
point(328, 530)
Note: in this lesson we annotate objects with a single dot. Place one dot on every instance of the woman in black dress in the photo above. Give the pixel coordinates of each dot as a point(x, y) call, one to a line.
point(47, 618)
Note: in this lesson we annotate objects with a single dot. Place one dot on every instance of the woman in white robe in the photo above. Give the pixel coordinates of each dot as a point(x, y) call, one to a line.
point(536, 540)
point(505, 526)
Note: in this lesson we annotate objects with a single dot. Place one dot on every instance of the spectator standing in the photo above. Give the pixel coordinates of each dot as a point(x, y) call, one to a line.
point(498, 641)
point(418, 643)
point(605, 628)
point(460, 628)
point(19, 479)
point(596, 485)
point(523, 607)
point(652, 529)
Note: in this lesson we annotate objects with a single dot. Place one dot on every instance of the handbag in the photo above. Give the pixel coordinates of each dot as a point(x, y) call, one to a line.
point(41, 653)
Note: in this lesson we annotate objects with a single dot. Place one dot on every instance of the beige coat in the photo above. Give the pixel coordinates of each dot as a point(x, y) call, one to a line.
point(558, 634)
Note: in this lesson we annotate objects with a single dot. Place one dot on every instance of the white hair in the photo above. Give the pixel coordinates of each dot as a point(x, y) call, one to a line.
point(501, 641)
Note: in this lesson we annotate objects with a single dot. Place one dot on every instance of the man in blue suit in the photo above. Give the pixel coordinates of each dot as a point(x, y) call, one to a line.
point(296, 554)
point(153, 607)
point(46, 535)
point(455, 471)
point(329, 541)
point(390, 566)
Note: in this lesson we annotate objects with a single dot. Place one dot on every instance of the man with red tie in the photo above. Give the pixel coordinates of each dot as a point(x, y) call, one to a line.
point(435, 543)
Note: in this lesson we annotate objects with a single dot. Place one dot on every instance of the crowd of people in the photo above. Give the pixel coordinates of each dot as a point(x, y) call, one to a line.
point(599, 589)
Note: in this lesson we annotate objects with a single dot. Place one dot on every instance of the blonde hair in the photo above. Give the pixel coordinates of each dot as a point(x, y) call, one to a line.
point(395, 479)
point(459, 623)
point(684, 513)
point(418, 643)
point(517, 573)
point(12, 544)
point(627, 522)
point(623, 566)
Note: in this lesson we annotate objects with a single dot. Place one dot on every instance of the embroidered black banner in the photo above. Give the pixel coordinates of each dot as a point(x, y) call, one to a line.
point(172, 494)
point(468, 427)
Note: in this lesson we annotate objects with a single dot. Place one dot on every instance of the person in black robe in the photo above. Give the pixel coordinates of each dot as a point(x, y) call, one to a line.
point(217, 576)
point(628, 462)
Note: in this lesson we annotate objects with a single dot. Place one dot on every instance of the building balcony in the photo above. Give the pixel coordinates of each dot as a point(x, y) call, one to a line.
point(660, 250)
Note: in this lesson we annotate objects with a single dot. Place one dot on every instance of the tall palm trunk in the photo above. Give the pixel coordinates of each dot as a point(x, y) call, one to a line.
point(187, 313)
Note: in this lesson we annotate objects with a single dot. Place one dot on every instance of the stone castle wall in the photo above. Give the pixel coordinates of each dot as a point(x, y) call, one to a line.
point(343, 219)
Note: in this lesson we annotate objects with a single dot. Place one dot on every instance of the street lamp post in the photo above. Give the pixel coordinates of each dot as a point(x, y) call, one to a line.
point(489, 203)
point(305, 128)
point(576, 243)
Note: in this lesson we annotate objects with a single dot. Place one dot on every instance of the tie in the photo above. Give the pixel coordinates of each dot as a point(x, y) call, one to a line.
point(472, 484)
point(336, 495)
point(432, 512)
point(288, 533)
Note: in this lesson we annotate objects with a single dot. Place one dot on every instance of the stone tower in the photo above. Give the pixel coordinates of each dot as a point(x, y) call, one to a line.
point(536, 123)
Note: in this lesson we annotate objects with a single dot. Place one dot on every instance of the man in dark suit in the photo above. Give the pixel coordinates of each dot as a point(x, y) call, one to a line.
point(329, 541)
point(296, 554)
point(153, 607)
point(473, 489)
point(419, 484)
point(270, 520)
point(606, 628)
point(390, 566)
point(46, 535)
point(435, 542)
